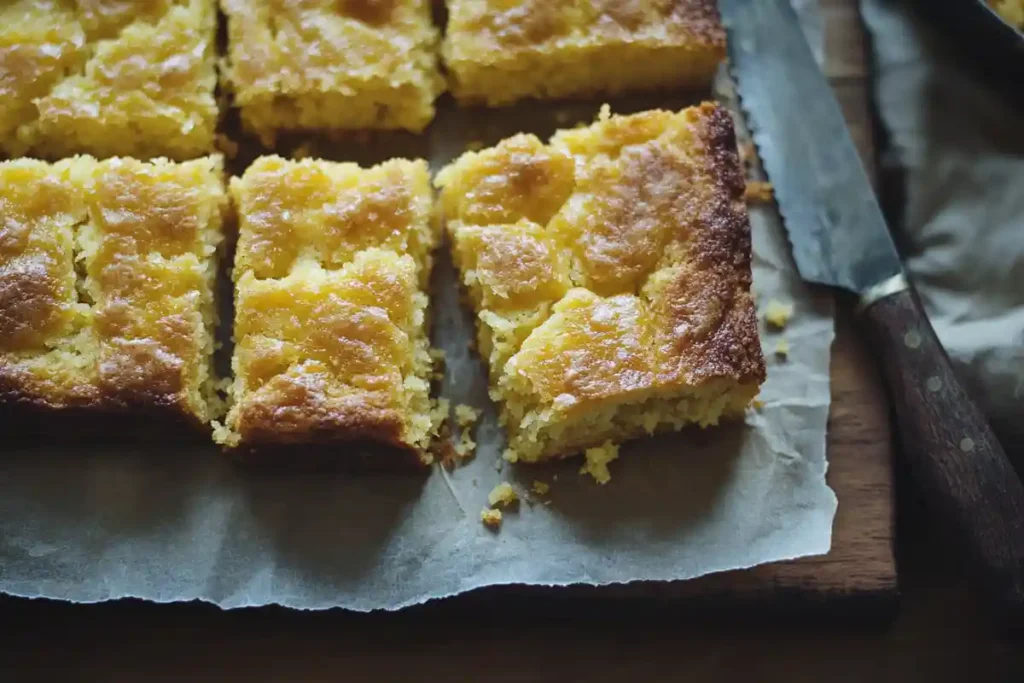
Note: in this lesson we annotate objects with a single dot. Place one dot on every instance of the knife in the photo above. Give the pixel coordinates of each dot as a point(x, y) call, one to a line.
point(840, 239)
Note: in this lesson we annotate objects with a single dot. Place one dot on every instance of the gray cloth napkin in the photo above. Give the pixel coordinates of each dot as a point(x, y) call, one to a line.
point(959, 148)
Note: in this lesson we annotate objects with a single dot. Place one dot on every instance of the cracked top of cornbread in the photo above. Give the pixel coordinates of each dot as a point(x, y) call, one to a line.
point(330, 326)
point(106, 273)
point(107, 78)
point(327, 212)
point(373, 61)
point(610, 265)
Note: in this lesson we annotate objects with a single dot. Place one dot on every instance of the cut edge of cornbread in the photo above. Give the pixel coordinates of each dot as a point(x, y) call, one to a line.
point(666, 394)
point(77, 370)
point(277, 92)
point(413, 420)
point(619, 55)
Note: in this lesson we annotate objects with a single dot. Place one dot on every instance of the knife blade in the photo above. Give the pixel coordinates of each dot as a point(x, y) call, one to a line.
point(839, 238)
point(836, 227)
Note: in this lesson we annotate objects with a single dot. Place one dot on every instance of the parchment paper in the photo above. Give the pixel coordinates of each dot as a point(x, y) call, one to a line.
point(172, 523)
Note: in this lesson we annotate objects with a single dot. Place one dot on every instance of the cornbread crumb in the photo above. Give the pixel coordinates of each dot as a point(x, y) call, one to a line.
point(133, 79)
point(758, 192)
point(498, 52)
point(778, 313)
point(330, 308)
point(607, 307)
point(757, 404)
point(540, 488)
point(437, 364)
point(491, 518)
point(474, 145)
point(502, 495)
point(597, 459)
point(748, 154)
point(466, 415)
point(107, 273)
point(465, 447)
point(318, 66)
point(782, 348)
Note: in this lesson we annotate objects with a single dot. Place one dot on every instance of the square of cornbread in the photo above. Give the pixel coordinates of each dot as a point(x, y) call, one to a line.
point(330, 333)
point(328, 65)
point(610, 273)
point(108, 78)
point(500, 51)
point(106, 285)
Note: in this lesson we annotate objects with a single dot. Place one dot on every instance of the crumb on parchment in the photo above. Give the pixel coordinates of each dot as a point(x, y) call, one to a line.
point(778, 313)
point(540, 488)
point(466, 415)
point(758, 192)
point(502, 495)
point(491, 518)
point(748, 153)
point(782, 348)
point(757, 404)
point(597, 459)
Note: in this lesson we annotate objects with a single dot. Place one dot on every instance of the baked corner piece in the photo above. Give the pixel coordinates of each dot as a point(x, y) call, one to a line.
point(610, 274)
point(500, 51)
point(323, 66)
point(106, 285)
point(330, 306)
point(108, 78)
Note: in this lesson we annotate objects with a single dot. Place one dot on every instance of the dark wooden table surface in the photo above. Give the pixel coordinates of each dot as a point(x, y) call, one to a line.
point(938, 634)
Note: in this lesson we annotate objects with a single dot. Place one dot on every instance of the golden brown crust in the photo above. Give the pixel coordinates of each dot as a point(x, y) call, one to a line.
point(710, 320)
point(329, 317)
point(129, 331)
point(351, 64)
point(519, 25)
point(500, 51)
point(112, 78)
point(655, 244)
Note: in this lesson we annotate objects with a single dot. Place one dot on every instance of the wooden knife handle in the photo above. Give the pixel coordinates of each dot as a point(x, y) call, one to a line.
point(953, 456)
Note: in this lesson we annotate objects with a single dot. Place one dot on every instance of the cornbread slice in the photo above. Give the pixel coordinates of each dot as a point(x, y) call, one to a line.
point(331, 65)
point(106, 284)
point(330, 309)
point(108, 78)
point(610, 273)
point(500, 51)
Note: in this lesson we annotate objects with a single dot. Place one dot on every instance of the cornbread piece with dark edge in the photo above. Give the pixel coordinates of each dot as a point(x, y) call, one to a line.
point(328, 65)
point(501, 51)
point(108, 78)
point(330, 306)
point(106, 285)
point(610, 273)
